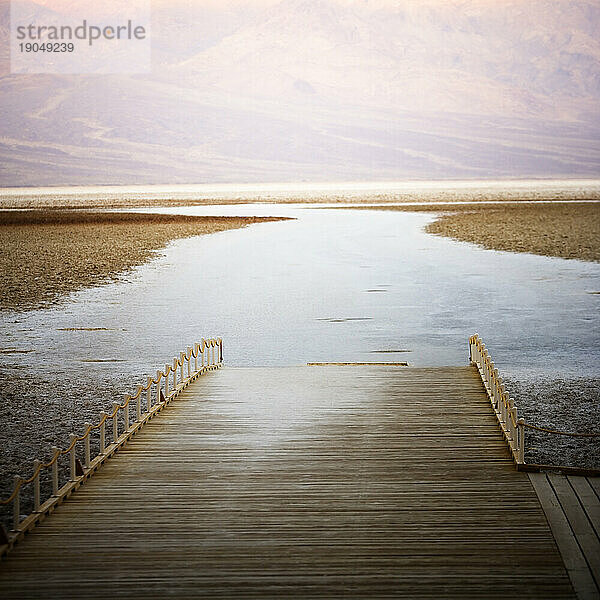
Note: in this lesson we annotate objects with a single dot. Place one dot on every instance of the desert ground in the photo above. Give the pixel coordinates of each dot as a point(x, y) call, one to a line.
point(565, 230)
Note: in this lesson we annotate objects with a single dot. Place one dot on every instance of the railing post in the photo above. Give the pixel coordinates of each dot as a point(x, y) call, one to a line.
point(72, 456)
point(148, 396)
point(36, 487)
point(87, 454)
point(102, 432)
point(500, 404)
point(55, 454)
point(17, 505)
point(159, 377)
point(195, 358)
point(515, 428)
point(182, 360)
point(126, 412)
point(497, 382)
point(158, 387)
point(175, 369)
point(513, 420)
point(484, 367)
point(521, 453)
point(116, 422)
point(167, 370)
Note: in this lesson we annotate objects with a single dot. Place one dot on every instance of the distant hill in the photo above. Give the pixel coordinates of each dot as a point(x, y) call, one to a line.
point(321, 89)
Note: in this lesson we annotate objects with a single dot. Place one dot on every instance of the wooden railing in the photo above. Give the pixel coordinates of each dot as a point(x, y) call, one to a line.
point(148, 401)
point(506, 412)
point(504, 406)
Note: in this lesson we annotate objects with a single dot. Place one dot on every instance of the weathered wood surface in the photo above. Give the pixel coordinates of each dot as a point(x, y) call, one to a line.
point(366, 482)
point(572, 507)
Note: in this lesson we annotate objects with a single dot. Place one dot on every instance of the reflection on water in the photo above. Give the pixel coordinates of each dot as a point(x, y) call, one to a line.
point(331, 286)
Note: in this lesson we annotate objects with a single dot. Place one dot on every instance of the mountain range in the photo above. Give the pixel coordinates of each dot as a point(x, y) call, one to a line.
point(273, 90)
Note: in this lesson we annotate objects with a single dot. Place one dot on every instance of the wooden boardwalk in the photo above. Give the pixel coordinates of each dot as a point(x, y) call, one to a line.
point(365, 482)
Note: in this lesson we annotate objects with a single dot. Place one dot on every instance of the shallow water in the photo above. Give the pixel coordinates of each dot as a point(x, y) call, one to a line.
point(330, 286)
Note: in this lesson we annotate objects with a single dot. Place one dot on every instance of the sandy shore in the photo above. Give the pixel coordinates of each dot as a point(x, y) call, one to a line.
point(565, 230)
point(45, 255)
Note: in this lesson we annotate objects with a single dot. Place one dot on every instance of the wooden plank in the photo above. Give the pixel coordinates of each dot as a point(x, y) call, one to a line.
point(595, 483)
point(334, 482)
point(588, 498)
point(573, 557)
point(580, 524)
